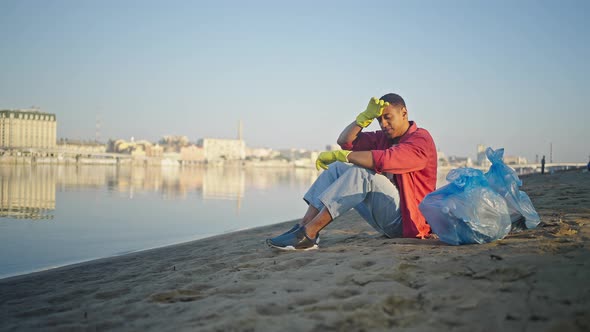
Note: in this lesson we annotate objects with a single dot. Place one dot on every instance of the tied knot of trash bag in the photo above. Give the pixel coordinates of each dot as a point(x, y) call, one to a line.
point(504, 180)
point(466, 177)
point(499, 167)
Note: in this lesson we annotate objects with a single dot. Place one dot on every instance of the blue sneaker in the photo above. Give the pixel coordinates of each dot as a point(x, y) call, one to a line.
point(296, 240)
point(293, 229)
point(296, 227)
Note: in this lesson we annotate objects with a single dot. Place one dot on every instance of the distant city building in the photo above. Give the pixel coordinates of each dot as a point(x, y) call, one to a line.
point(135, 148)
point(192, 154)
point(170, 159)
point(217, 149)
point(295, 154)
point(174, 143)
point(442, 158)
point(261, 153)
point(482, 159)
point(460, 161)
point(515, 160)
point(81, 147)
point(27, 128)
point(154, 151)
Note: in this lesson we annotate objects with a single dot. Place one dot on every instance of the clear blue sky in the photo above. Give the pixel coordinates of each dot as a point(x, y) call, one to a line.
point(508, 74)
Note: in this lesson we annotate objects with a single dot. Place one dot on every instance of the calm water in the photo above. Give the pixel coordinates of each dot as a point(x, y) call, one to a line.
point(56, 215)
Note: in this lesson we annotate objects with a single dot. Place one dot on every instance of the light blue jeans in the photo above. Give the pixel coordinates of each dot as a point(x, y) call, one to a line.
point(344, 186)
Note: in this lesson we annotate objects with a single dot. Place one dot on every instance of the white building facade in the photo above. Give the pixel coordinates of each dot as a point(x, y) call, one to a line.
point(217, 149)
point(27, 129)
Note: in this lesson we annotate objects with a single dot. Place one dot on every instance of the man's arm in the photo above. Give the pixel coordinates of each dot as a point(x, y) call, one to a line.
point(359, 158)
point(362, 159)
point(349, 134)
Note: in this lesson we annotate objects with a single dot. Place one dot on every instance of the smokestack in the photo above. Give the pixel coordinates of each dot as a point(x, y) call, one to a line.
point(240, 130)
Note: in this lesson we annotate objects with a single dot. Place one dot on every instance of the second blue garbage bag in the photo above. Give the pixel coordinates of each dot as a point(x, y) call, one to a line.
point(467, 210)
point(505, 181)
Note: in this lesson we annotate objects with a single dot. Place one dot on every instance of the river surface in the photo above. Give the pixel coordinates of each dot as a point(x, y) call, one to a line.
point(52, 216)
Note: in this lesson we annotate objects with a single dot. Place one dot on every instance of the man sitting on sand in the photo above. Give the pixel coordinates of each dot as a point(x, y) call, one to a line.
point(384, 175)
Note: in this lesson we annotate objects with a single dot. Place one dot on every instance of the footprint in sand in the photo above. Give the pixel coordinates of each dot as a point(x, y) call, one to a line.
point(396, 305)
point(344, 293)
point(291, 264)
point(177, 295)
point(361, 265)
point(506, 274)
point(303, 301)
point(406, 274)
point(271, 309)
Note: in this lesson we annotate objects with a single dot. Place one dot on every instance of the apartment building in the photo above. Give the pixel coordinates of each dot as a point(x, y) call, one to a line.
point(27, 128)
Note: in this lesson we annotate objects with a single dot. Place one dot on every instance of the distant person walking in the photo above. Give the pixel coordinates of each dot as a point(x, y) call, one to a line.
point(543, 165)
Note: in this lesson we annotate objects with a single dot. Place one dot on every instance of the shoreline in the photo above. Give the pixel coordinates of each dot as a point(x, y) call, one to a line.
point(531, 280)
point(132, 252)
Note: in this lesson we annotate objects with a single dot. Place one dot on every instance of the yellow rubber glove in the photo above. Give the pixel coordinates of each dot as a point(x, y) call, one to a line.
point(373, 111)
point(327, 157)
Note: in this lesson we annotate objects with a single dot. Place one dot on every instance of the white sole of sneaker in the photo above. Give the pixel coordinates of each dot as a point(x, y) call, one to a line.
point(291, 248)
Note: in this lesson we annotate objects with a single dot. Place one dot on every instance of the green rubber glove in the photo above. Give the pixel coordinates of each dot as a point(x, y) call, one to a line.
point(327, 157)
point(373, 111)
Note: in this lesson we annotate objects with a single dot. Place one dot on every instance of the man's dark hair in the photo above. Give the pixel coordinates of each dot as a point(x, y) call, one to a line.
point(394, 99)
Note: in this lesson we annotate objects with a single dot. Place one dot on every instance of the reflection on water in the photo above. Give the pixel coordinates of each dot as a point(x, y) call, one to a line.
point(224, 183)
point(28, 192)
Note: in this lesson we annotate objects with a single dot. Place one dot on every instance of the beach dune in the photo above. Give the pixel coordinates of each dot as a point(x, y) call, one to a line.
point(535, 280)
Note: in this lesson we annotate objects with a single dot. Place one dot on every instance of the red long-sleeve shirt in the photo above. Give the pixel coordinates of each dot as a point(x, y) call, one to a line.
point(413, 161)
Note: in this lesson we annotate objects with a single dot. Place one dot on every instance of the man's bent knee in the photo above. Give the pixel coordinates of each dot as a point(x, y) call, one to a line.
point(341, 168)
point(338, 168)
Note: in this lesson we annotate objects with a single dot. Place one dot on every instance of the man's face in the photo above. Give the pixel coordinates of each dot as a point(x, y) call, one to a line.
point(394, 121)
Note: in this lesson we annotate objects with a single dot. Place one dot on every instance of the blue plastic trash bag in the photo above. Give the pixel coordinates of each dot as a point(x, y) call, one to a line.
point(504, 180)
point(466, 210)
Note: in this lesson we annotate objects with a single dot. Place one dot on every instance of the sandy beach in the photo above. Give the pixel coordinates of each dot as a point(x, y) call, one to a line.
point(536, 280)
